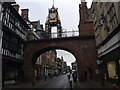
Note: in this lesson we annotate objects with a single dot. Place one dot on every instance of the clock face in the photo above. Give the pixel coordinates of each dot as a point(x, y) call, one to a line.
point(53, 15)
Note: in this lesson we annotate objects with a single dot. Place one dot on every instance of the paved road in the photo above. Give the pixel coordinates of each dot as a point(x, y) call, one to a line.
point(62, 82)
point(57, 82)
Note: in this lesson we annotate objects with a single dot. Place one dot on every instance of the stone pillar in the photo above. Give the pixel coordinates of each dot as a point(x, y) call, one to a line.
point(28, 67)
point(80, 69)
point(81, 76)
point(28, 72)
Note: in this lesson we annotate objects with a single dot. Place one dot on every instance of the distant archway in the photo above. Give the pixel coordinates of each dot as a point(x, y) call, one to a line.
point(68, 57)
point(39, 52)
point(54, 62)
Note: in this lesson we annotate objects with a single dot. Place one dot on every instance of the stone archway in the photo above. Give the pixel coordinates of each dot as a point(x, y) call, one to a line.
point(83, 49)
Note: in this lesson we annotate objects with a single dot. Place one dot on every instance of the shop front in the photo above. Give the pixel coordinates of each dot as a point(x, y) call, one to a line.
point(112, 66)
point(10, 72)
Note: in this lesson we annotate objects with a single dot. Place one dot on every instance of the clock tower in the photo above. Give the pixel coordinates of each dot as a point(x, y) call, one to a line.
point(53, 20)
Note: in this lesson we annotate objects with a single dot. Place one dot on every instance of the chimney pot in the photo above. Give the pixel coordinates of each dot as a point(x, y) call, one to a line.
point(24, 13)
point(16, 6)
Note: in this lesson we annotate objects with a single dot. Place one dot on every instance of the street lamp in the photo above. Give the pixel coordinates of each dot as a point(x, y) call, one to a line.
point(99, 62)
point(98, 69)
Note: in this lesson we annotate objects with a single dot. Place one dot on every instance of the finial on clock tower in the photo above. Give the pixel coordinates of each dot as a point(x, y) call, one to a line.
point(53, 3)
point(83, 1)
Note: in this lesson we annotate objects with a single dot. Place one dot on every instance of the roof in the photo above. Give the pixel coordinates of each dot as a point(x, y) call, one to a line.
point(18, 16)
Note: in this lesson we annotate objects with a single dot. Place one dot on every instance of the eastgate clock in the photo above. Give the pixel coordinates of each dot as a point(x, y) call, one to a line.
point(52, 21)
point(53, 15)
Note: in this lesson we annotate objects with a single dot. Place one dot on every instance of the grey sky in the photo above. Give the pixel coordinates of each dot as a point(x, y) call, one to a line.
point(68, 11)
point(68, 57)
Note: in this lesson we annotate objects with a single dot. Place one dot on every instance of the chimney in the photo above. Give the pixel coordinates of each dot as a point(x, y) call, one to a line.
point(16, 6)
point(83, 2)
point(24, 13)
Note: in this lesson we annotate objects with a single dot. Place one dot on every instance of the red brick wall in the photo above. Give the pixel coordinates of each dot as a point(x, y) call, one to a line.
point(84, 50)
point(85, 26)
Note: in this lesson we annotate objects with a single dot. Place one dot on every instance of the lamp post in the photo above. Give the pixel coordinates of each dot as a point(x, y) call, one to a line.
point(98, 70)
point(101, 72)
point(99, 62)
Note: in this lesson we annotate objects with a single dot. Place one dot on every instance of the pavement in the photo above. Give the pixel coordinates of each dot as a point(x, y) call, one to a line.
point(55, 82)
point(86, 84)
point(29, 85)
point(94, 84)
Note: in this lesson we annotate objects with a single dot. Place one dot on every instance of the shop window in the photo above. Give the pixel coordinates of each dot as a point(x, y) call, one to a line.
point(111, 66)
point(9, 73)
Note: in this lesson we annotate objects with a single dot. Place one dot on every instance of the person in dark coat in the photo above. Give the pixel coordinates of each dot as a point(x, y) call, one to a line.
point(74, 75)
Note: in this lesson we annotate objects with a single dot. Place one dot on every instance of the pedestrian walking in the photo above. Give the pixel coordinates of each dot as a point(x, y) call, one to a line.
point(45, 77)
point(70, 79)
point(74, 75)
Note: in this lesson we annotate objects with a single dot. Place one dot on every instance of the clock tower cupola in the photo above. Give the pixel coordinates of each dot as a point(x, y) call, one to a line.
point(53, 20)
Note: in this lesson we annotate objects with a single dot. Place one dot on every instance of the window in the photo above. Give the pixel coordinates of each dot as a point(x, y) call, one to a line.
point(111, 66)
point(9, 72)
point(113, 23)
point(2, 51)
point(101, 4)
point(5, 22)
point(16, 22)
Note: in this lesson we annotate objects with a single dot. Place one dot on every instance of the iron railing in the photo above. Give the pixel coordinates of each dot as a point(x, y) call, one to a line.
point(63, 34)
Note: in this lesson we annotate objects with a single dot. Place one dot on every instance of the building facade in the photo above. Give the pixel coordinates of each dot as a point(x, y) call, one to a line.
point(15, 31)
point(59, 66)
point(107, 33)
point(74, 66)
point(32, 35)
point(39, 29)
point(46, 64)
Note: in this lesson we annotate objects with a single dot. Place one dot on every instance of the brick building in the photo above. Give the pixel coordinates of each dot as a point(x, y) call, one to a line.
point(59, 66)
point(86, 28)
point(46, 64)
point(86, 21)
point(39, 29)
